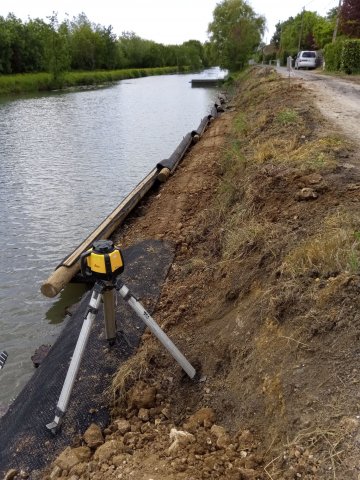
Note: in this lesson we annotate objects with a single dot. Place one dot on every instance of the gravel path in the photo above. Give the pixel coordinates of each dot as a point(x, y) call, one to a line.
point(337, 99)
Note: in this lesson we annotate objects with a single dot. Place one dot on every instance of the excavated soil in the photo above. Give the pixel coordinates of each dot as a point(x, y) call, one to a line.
point(263, 299)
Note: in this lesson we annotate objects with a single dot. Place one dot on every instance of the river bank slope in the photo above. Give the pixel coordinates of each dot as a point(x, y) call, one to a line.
point(262, 297)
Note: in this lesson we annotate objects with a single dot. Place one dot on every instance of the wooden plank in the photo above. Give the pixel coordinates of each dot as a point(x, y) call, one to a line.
point(70, 265)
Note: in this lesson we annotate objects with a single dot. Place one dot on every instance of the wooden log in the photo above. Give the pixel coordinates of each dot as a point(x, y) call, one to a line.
point(70, 265)
point(164, 174)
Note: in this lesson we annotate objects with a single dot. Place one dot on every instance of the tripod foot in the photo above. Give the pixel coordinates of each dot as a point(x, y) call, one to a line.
point(55, 425)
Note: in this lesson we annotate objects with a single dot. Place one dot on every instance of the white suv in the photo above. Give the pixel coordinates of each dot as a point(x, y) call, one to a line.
point(306, 59)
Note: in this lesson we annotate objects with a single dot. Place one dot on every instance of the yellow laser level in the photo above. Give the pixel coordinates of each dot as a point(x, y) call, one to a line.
point(103, 261)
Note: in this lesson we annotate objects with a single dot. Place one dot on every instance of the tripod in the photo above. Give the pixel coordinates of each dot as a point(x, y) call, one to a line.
point(3, 358)
point(105, 290)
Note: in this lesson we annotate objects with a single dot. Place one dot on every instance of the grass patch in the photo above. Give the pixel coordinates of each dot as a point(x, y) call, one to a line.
point(29, 82)
point(287, 117)
point(335, 248)
point(243, 234)
point(305, 155)
point(239, 124)
point(36, 82)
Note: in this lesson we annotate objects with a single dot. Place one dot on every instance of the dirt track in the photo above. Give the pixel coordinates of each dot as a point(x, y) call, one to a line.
point(337, 99)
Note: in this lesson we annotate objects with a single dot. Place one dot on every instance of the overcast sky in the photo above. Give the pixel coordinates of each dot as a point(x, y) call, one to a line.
point(164, 21)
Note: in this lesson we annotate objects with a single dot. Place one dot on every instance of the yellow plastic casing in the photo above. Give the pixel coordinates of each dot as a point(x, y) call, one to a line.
point(97, 262)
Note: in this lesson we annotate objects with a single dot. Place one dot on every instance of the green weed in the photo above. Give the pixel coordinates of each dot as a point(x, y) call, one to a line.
point(287, 117)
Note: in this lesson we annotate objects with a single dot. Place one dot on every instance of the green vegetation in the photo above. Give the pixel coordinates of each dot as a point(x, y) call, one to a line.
point(350, 59)
point(287, 116)
point(31, 82)
point(310, 31)
point(235, 33)
point(58, 54)
point(343, 55)
point(50, 50)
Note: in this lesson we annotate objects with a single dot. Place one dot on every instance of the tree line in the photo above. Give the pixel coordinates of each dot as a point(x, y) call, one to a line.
point(234, 37)
point(79, 44)
point(236, 31)
point(310, 31)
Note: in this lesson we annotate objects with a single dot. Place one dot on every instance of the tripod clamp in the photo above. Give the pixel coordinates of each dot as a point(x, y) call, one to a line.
point(104, 263)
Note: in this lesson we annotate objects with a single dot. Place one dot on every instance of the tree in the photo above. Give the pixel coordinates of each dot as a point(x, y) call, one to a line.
point(195, 54)
point(235, 31)
point(323, 30)
point(57, 49)
point(350, 18)
point(36, 33)
point(308, 29)
point(5, 47)
point(276, 38)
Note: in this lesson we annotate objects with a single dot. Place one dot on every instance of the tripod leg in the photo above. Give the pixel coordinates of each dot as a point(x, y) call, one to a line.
point(156, 330)
point(3, 358)
point(109, 315)
point(76, 359)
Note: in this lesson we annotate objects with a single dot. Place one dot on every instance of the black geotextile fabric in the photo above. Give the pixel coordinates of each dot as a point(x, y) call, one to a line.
point(25, 443)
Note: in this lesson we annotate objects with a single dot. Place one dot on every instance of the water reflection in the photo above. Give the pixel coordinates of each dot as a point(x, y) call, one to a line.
point(66, 301)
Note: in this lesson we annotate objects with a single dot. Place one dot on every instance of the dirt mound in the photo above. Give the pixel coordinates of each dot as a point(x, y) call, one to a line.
point(263, 297)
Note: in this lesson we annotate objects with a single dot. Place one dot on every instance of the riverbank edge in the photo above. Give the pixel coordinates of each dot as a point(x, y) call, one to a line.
point(265, 185)
point(43, 81)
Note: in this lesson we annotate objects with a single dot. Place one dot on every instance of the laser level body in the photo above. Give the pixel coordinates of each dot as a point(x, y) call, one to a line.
point(103, 261)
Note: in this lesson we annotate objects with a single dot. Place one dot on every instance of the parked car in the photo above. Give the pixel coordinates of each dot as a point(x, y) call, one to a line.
point(307, 59)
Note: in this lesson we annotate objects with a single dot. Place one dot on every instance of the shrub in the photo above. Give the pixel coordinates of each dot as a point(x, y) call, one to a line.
point(350, 58)
point(332, 55)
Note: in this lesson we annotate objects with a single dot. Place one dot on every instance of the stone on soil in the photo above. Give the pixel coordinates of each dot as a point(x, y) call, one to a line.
point(142, 396)
point(93, 436)
point(71, 457)
point(123, 426)
point(179, 439)
point(204, 417)
point(108, 450)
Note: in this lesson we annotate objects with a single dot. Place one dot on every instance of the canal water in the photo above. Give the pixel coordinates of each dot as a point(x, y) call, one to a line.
point(66, 161)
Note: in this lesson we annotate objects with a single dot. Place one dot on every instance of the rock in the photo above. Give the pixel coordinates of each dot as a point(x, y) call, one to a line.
point(108, 450)
point(312, 179)
point(218, 431)
point(55, 473)
point(93, 436)
point(71, 457)
point(306, 194)
point(10, 474)
point(40, 354)
point(80, 469)
point(144, 414)
point(166, 412)
point(179, 439)
point(204, 417)
point(131, 438)
point(123, 426)
point(222, 438)
point(142, 396)
point(245, 439)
